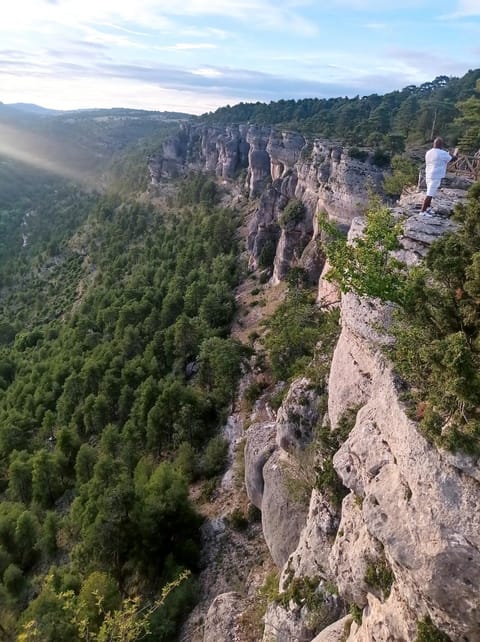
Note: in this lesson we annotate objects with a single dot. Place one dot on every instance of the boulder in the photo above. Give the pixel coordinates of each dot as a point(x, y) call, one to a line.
point(298, 415)
point(286, 624)
point(283, 515)
point(312, 556)
point(259, 446)
point(222, 617)
point(335, 632)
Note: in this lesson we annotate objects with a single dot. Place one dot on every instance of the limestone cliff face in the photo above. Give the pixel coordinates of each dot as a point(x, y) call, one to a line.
point(275, 167)
point(412, 508)
point(268, 466)
point(411, 511)
point(299, 536)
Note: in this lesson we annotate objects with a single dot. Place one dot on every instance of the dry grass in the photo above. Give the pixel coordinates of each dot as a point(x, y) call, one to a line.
point(253, 309)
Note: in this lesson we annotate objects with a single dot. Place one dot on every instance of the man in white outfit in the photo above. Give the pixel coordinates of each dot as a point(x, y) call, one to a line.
point(436, 160)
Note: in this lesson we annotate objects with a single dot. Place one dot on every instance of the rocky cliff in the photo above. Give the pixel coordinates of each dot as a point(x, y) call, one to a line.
point(396, 546)
point(401, 551)
point(275, 168)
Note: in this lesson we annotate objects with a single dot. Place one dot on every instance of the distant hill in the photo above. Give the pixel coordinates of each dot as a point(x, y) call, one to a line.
point(81, 144)
point(114, 112)
point(123, 112)
point(32, 109)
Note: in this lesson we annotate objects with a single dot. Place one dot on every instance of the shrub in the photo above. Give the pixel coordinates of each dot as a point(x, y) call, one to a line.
point(253, 392)
point(99, 595)
point(381, 158)
point(186, 461)
point(254, 514)
point(437, 351)
point(358, 154)
point(251, 619)
point(311, 593)
point(267, 256)
point(208, 488)
point(292, 214)
point(330, 483)
point(327, 442)
point(237, 520)
point(405, 172)
point(365, 266)
point(266, 274)
point(379, 576)
point(293, 331)
point(428, 632)
point(356, 612)
point(307, 151)
point(13, 579)
point(215, 457)
point(278, 396)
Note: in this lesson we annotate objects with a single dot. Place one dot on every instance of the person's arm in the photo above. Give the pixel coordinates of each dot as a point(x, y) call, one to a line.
point(454, 155)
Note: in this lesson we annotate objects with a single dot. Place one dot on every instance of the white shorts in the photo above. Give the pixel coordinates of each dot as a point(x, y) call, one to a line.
point(432, 186)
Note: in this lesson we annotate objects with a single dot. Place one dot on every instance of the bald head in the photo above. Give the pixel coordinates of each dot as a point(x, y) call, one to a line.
point(438, 142)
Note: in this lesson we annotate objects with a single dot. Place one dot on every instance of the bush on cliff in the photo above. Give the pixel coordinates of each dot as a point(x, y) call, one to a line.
point(437, 332)
point(437, 320)
point(365, 265)
point(404, 173)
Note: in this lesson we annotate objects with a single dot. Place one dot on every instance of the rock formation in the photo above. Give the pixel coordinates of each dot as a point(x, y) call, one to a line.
point(403, 546)
point(275, 167)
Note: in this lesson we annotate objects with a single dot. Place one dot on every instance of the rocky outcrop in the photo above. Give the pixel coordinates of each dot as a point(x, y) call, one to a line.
point(295, 622)
point(311, 558)
point(297, 416)
point(324, 178)
point(269, 471)
point(328, 294)
point(405, 546)
point(405, 543)
point(259, 447)
point(278, 470)
point(336, 632)
point(283, 516)
point(275, 167)
point(222, 618)
point(421, 511)
point(411, 510)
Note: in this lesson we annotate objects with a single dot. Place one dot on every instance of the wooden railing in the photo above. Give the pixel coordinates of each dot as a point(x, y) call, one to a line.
point(466, 166)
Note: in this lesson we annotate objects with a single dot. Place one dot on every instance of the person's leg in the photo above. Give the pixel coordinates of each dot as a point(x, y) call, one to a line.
point(426, 203)
point(432, 187)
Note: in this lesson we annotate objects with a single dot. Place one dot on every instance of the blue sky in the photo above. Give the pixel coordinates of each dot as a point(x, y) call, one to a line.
point(196, 55)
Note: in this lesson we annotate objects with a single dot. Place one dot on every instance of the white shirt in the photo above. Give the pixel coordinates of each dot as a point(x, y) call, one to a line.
point(436, 160)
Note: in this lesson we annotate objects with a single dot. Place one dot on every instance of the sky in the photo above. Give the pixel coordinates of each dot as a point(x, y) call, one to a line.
point(193, 56)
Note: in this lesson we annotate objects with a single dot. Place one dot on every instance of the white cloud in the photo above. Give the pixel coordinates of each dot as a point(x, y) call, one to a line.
point(208, 32)
point(422, 66)
point(163, 46)
point(376, 26)
point(207, 72)
point(464, 10)
point(379, 6)
point(153, 14)
point(467, 8)
point(89, 92)
point(192, 45)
